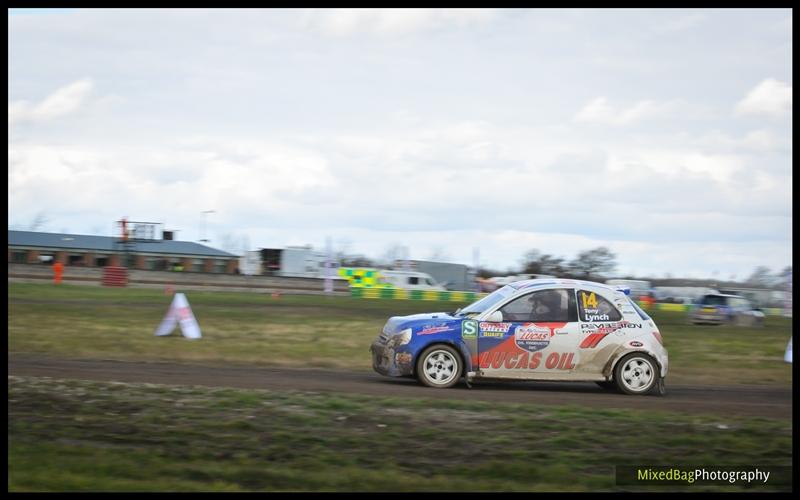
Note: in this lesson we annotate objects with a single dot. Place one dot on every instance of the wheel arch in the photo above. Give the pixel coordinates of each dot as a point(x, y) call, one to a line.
point(458, 346)
point(608, 371)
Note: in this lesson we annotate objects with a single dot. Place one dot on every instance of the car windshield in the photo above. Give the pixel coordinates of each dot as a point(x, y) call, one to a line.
point(713, 300)
point(488, 301)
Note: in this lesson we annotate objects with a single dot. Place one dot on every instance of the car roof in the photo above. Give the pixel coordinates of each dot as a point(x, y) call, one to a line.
point(561, 282)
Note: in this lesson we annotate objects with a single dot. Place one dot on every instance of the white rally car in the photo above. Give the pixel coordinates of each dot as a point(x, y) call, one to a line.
point(541, 329)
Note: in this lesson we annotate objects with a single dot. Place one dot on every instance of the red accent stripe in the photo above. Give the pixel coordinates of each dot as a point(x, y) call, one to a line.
point(592, 340)
point(600, 336)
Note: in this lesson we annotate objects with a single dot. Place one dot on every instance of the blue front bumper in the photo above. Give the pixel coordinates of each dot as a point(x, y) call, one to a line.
point(390, 362)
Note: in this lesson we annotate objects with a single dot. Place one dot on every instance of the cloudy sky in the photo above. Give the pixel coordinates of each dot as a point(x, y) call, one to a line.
point(664, 135)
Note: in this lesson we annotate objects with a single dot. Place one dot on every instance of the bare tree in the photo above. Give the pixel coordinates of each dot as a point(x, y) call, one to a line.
point(228, 242)
point(244, 244)
point(761, 277)
point(552, 265)
point(530, 262)
point(488, 273)
point(439, 254)
point(357, 261)
point(535, 262)
point(38, 222)
point(394, 252)
point(342, 249)
point(593, 263)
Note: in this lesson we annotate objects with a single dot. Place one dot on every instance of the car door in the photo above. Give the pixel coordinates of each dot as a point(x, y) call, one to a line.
point(599, 319)
point(537, 338)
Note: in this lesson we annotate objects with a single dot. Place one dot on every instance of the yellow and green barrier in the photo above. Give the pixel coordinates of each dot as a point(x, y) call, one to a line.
point(664, 306)
point(367, 283)
point(670, 307)
point(401, 294)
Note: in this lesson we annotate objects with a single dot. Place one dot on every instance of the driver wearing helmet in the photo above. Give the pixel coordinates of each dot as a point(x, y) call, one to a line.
point(545, 304)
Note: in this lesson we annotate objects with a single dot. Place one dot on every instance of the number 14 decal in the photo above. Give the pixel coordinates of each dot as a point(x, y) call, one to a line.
point(589, 300)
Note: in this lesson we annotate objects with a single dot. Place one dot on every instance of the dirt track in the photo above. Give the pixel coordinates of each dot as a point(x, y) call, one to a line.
point(732, 400)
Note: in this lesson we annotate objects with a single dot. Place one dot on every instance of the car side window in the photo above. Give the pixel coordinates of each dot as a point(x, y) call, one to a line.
point(539, 307)
point(595, 308)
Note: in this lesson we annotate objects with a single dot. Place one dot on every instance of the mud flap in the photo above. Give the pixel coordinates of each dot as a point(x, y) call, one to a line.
point(468, 379)
point(660, 388)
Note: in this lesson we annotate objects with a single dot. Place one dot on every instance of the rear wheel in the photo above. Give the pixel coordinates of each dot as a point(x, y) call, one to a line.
point(660, 388)
point(636, 373)
point(439, 366)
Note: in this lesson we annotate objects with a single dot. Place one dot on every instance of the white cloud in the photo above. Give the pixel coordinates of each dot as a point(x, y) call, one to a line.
point(716, 141)
point(667, 163)
point(391, 22)
point(681, 24)
point(600, 111)
point(761, 140)
point(406, 187)
point(62, 102)
point(438, 128)
point(770, 97)
point(238, 179)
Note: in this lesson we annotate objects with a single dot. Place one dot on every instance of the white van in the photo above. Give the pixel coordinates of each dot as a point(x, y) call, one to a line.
point(505, 280)
point(411, 280)
point(639, 288)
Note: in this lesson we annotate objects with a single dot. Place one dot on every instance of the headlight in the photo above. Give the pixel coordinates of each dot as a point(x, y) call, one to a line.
point(402, 338)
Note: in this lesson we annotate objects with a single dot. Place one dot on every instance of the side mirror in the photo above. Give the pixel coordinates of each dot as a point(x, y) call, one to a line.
point(495, 317)
point(457, 311)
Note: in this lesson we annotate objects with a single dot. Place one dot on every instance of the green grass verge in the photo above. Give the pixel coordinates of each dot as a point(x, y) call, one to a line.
point(69, 435)
point(334, 332)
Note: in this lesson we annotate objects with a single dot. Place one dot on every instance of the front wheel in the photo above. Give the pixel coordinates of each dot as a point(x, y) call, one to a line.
point(439, 366)
point(636, 373)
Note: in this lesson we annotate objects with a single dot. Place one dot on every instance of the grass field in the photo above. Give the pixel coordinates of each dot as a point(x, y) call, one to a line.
point(68, 435)
point(238, 328)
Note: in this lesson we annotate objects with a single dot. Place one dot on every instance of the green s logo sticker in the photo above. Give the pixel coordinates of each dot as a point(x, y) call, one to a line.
point(469, 329)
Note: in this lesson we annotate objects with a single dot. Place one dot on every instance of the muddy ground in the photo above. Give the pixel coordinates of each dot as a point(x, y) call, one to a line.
point(739, 400)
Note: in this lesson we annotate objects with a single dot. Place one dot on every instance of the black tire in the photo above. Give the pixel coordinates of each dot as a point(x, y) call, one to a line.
point(636, 373)
point(608, 385)
point(439, 366)
point(660, 389)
